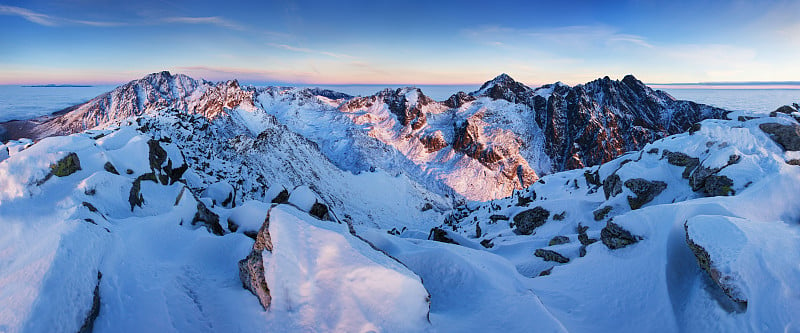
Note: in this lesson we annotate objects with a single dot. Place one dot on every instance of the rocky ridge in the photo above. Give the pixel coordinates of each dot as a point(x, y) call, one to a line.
point(505, 133)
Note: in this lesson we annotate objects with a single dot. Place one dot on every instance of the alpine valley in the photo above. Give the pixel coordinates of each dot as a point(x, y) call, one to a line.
point(179, 205)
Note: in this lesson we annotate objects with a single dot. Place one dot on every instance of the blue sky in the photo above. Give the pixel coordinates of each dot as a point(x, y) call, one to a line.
point(391, 42)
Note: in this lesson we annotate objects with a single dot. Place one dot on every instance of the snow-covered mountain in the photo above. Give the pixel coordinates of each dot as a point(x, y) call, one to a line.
point(506, 133)
point(216, 207)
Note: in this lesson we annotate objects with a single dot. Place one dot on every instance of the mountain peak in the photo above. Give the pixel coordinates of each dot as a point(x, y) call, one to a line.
point(504, 87)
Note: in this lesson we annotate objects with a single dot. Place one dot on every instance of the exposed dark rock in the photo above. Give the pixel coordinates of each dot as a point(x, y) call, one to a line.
point(601, 213)
point(174, 174)
point(487, 243)
point(560, 216)
point(251, 269)
point(66, 166)
point(468, 141)
point(583, 237)
point(680, 159)
point(439, 235)
point(582, 251)
point(89, 206)
point(695, 127)
point(787, 136)
point(644, 190)
point(478, 231)
point(716, 185)
point(497, 217)
point(653, 151)
point(458, 99)
point(528, 220)
point(786, 109)
point(232, 226)
point(523, 201)
point(592, 178)
point(612, 186)
point(707, 264)
point(157, 155)
point(504, 87)
point(94, 311)
point(546, 272)
point(698, 178)
point(426, 207)
point(110, 168)
point(282, 197)
point(434, 142)
point(328, 93)
point(615, 237)
point(319, 210)
point(558, 240)
point(135, 198)
point(793, 162)
point(549, 255)
point(207, 218)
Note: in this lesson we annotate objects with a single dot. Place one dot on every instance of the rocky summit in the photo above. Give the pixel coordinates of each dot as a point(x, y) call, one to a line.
point(173, 204)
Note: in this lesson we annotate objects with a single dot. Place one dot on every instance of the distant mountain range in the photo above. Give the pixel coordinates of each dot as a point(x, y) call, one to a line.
point(505, 133)
point(58, 86)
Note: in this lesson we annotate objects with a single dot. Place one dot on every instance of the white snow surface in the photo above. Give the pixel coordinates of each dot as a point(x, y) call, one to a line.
point(323, 279)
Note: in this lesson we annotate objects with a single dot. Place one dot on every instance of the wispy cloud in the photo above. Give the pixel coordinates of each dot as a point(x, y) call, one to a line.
point(55, 21)
point(577, 36)
point(210, 20)
point(310, 51)
point(52, 21)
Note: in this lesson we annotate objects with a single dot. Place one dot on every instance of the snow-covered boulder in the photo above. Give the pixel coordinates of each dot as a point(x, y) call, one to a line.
point(317, 276)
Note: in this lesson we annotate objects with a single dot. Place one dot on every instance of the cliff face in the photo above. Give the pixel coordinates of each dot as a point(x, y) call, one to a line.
point(593, 123)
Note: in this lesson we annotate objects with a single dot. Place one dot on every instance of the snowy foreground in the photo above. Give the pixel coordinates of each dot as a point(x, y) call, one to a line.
point(138, 228)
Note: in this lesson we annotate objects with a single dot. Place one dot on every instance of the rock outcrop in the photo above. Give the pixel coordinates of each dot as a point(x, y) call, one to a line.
point(615, 237)
point(787, 136)
point(644, 190)
point(251, 269)
point(528, 220)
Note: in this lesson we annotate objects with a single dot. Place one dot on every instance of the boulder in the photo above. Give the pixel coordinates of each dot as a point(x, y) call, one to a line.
point(319, 210)
point(699, 235)
point(66, 166)
point(601, 213)
point(787, 136)
point(549, 255)
point(583, 237)
point(110, 168)
point(716, 185)
point(680, 159)
point(282, 197)
point(612, 186)
point(644, 190)
point(497, 217)
point(592, 178)
point(207, 218)
point(615, 237)
point(558, 240)
point(528, 220)
point(440, 235)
